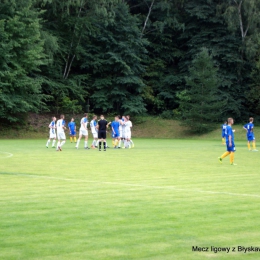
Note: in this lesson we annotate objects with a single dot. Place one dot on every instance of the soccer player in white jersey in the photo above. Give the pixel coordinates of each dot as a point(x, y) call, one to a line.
point(83, 131)
point(52, 136)
point(131, 125)
point(60, 132)
point(93, 126)
point(128, 125)
point(121, 131)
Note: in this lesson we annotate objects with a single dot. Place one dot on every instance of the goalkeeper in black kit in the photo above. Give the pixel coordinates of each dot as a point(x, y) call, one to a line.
point(102, 132)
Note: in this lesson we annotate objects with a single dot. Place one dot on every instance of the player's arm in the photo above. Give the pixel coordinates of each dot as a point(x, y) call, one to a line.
point(64, 126)
point(108, 124)
point(113, 130)
point(84, 125)
point(230, 140)
point(245, 127)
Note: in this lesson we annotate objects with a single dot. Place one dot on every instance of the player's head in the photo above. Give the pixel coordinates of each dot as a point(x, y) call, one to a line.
point(230, 121)
point(72, 119)
point(123, 117)
point(102, 117)
point(128, 117)
point(94, 117)
point(86, 115)
point(62, 116)
point(251, 119)
point(116, 118)
point(53, 118)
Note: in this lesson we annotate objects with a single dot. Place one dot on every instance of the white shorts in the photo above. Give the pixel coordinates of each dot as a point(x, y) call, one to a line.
point(128, 135)
point(83, 132)
point(95, 135)
point(61, 136)
point(52, 135)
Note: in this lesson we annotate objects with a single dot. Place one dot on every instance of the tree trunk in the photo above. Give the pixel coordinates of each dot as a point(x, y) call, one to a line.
point(147, 18)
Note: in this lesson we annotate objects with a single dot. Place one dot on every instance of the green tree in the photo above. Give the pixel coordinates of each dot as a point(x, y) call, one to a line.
point(116, 64)
point(200, 104)
point(21, 55)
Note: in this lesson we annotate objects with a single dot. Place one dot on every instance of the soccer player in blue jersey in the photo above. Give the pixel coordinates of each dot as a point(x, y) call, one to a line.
point(52, 136)
point(115, 132)
point(223, 132)
point(72, 130)
point(250, 134)
point(231, 148)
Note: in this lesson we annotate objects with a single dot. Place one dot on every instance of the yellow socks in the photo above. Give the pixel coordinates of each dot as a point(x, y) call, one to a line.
point(254, 147)
point(113, 143)
point(232, 156)
point(224, 155)
point(75, 139)
point(71, 139)
point(223, 141)
point(249, 146)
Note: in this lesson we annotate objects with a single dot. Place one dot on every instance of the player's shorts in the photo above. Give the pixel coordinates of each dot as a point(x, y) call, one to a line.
point(115, 135)
point(102, 134)
point(83, 132)
point(250, 137)
point(72, 133)
point(61, 136)
point(128, 135)
point(52, 135)
point(231, 148)
point(95, 134)
point(223, 135)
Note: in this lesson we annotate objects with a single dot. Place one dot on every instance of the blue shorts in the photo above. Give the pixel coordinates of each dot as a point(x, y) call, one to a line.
point(115, 135)
point(72, 133)
point(231, 148)
point(223, 135)
point(250, 137)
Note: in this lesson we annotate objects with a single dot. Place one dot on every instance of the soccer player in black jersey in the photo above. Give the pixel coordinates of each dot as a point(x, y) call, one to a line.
point(102, 132)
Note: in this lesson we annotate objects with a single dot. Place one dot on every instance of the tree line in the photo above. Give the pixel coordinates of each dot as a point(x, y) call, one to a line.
point(196, 60)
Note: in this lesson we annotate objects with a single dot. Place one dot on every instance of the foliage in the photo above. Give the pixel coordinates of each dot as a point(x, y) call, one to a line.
point(21, 54)
point(126, 56)
point(200, 104)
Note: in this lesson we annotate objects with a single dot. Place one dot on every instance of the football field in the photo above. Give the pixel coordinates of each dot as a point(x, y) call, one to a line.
point(164, 199)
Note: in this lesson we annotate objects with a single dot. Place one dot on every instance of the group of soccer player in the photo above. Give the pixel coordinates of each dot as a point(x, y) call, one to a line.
point(121, 132)
point(228, 138)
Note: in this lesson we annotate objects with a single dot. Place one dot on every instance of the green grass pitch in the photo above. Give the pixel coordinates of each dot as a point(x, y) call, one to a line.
point(155, 201)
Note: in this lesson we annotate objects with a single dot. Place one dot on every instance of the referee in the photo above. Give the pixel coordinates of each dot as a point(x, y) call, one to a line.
point(102, 132)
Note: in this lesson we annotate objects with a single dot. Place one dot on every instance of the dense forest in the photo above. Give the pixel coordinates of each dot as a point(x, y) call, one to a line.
point(186, 59)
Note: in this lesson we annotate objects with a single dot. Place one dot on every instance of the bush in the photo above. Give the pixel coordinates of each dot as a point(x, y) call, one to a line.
point(167, 114)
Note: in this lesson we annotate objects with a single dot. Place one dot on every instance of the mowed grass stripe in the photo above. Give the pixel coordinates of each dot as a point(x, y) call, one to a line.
point(96, 214)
